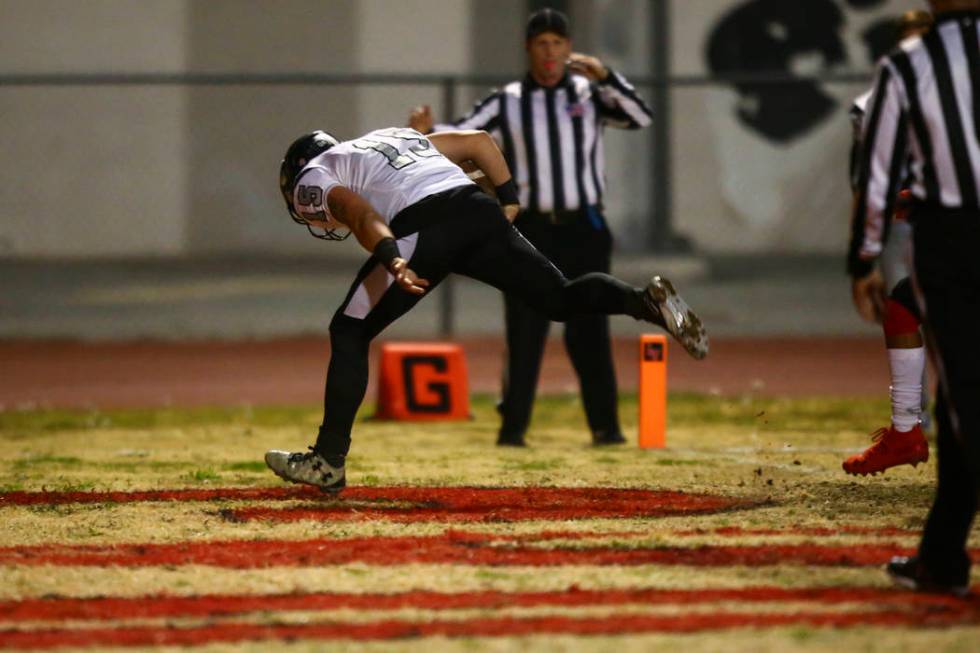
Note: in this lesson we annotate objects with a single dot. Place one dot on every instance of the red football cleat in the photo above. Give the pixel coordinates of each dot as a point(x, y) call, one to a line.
point(890, 449)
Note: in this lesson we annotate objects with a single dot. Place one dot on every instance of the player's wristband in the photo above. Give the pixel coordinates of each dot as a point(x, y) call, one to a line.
point(507, 193)
point(386, 251)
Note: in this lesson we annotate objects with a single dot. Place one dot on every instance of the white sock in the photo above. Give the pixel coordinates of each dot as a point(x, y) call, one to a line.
point(906, 366)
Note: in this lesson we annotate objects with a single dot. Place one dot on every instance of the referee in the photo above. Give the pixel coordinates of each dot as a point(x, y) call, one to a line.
point(549, 127)
point(926, 105)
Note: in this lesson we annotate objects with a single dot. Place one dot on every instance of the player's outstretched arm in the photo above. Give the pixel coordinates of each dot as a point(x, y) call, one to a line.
point(373, 234)
point(476, 146)
point(480, 148)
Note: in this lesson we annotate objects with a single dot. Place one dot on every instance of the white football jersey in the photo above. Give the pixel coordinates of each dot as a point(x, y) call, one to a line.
point(390, 168)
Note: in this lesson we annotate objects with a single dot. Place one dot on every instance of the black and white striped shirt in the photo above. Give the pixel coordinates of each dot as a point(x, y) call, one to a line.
point(925, 110)
point(552, 137)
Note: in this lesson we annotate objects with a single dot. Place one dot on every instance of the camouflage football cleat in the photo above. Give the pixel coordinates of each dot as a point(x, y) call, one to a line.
point(325, 472)
point(670, 311)
point(890, 449)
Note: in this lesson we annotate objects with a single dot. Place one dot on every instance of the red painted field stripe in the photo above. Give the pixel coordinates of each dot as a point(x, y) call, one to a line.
point(817, 531)
point(485, 627)
point(212, 494)
point(725, 531)
point(453, 504)
point(231, 604)
point(452, 547)
point(421, 503)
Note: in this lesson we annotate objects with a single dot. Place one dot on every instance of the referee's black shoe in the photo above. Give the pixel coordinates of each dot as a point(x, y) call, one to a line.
point(912, 574)
point(665, 308)
point(605, 438)
point(507, 440)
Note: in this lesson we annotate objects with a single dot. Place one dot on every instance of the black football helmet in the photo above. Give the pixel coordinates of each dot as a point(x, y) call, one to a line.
point(297, 156)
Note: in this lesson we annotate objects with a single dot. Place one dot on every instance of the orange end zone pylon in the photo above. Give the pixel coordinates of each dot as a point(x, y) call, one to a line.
point(423, 381)
point(653, 391)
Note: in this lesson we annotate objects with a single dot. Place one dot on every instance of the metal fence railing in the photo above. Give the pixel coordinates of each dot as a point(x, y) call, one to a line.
point(449, 86)
point(659, 85)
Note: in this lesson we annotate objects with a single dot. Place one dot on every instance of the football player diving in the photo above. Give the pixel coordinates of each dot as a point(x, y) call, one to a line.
point(407, 201)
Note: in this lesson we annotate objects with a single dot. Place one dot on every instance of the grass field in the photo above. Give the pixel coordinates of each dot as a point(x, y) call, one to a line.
point(162, 528)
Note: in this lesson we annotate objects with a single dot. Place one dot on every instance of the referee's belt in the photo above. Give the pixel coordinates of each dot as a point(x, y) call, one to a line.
point(922, 210)
point(564, 217)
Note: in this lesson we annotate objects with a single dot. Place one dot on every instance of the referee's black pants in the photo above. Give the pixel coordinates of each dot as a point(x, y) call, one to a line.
point(947, 274)
point(579, 244)
point(464, 231)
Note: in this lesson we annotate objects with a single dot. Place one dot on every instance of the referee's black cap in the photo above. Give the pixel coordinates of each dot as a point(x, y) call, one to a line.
point(547, 20)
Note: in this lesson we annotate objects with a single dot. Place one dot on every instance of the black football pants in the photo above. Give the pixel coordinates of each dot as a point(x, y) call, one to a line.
point(463, 231)
point(948, 277)
point(580, 246)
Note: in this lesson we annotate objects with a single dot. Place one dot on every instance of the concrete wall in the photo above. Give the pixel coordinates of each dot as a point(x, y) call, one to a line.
point(237, 134)
point(740, 189)
point(171, 170)
point(94, 170)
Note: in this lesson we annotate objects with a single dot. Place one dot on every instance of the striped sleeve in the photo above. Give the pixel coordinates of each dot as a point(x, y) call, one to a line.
point(619, 105)
point(856, 115)
point(485, 115)
point(882, 162)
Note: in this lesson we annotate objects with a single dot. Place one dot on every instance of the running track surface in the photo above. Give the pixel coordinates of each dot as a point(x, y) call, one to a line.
point(291, 371)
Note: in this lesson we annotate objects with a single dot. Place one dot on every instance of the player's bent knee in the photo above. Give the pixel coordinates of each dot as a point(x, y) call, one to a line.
point(556, 311)
point(559, 304)
point(347, 331)
point(550, 298)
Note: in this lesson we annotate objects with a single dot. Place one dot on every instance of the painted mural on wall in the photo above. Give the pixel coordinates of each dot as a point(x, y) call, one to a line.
point(780, 149)
point(765, 36)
